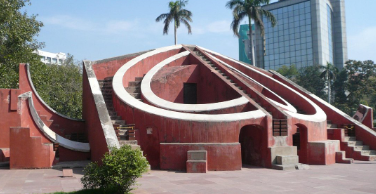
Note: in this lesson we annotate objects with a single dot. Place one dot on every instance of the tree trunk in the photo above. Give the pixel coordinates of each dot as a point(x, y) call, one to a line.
point(176, 37)
point(328, 79)
point(251, 43)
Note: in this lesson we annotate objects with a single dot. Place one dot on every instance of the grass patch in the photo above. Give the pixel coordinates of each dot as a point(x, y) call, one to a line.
point(84, 191)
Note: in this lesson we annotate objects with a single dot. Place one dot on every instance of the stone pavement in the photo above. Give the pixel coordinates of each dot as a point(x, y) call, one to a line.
point(357, 178)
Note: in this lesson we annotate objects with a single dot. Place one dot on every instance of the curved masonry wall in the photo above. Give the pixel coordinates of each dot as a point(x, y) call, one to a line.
point(60, 124)
point(157, 101)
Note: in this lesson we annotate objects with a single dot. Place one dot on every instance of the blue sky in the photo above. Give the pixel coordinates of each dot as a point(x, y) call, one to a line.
point(94, 29)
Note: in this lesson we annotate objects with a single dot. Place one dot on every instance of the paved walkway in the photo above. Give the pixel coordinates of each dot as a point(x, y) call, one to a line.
point(357, 178)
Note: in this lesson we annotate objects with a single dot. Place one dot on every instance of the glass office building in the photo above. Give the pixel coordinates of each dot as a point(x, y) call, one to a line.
point(308, 32)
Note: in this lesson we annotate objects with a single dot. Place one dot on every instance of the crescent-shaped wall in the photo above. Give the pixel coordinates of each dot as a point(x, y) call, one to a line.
point(51, 135)
point(125, 97)
point(159, 102)
point(60, 124)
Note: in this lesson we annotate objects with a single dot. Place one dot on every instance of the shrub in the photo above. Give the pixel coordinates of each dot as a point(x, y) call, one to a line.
point(119, 170)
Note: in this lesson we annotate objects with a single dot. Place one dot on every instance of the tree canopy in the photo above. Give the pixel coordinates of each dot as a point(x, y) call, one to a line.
point(17, 40)
point(355, 84)
point(252, 10)
point(177, 15)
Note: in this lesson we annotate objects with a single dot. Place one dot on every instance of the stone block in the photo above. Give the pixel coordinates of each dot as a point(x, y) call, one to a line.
point(285, 160)
point(67, 173)
point(197, 166)
point(282, 151)
point(197, 155)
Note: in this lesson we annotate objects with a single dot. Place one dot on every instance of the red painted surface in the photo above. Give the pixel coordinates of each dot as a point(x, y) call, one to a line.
point(29, 151)
point(253, 145)
point(168, 82)
point(8, 118)
point(337, 118)
point(4, 154)
point(108, 68)
point(93, 126)
point(70, 155)
point(197, 166)
point(364, 115)
point(322, 153)
point(219, 156)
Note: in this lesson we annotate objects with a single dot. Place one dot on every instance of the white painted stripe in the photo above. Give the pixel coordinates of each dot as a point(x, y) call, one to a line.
point(319, 115)
point(125, 97)
point(51, 135)
point(94, 85)
point(157, 101)
point(288, 106)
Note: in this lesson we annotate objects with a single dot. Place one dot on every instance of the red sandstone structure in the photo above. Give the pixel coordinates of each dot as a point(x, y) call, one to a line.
point(187, 108)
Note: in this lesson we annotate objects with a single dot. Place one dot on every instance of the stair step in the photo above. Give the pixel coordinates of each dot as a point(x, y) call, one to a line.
point(298, 166)
point(118, 122)
point(286, 160)
point(354, 143)
point(329, 126)
point(362, 147)
point(139, 79)
point(134, 83)
point(133, 89)
point(350, 138)
point(115, 117)
point(136, 95)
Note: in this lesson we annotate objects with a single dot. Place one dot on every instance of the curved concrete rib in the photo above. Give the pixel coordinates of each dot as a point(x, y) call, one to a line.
point(51, 135)
point(125, 97)
point(319, 115)
point(288, 106)
point(41, 100)
point(157, 101)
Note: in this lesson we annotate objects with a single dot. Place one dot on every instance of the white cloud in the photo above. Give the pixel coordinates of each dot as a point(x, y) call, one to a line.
point(361, 46)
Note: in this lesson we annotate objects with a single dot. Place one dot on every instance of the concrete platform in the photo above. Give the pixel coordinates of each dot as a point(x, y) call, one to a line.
point(356, 178)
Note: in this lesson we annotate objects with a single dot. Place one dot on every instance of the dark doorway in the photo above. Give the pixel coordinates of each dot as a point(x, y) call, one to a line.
point(252, 141)
point(190, 93)
point(296, 139)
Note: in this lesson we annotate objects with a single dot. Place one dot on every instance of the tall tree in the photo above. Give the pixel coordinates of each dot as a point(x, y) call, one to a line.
point(177, 15)
point(253, 10)
point(309, 78)
point(328, 75)
point(17, 40)
point(290, 72)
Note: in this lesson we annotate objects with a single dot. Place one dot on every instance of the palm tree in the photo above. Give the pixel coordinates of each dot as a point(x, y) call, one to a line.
point(254, 11)
point(178, 15)
point(328, 74)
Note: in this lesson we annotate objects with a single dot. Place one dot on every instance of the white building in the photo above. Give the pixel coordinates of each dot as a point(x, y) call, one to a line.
point(52, 58)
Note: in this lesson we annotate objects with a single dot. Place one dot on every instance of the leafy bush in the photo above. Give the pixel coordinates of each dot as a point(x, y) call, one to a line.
point(119, 170)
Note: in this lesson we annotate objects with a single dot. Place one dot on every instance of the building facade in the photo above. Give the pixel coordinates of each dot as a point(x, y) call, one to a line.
point(244, 43)
point(52, 58)
point(308, 32)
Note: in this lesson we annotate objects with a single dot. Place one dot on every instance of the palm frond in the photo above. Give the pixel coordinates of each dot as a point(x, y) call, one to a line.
point(269, 16)
point(161, 17)
point(186, 23)
point(236, 22)
point(232, 3)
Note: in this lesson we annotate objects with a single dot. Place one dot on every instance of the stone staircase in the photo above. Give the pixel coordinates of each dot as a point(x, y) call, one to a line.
point(124, 132)
point(357, 150)
point(134, 88)
point(281, 131)
point(286, 158)
point(352, 148)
